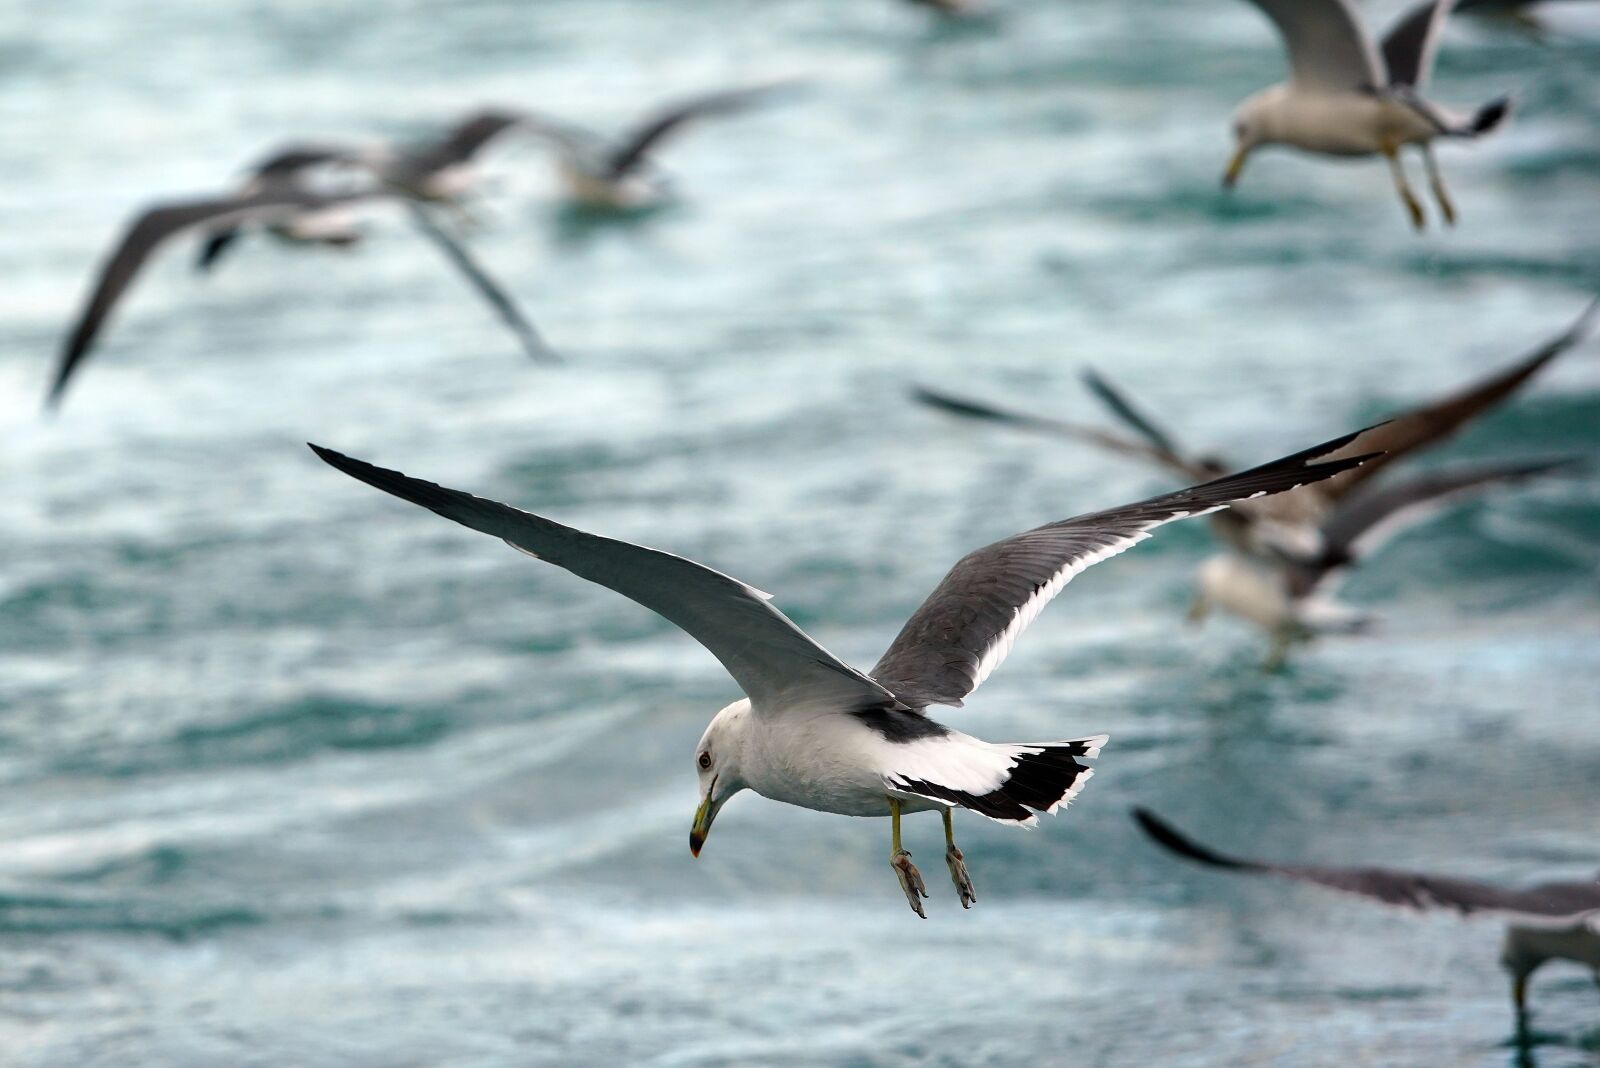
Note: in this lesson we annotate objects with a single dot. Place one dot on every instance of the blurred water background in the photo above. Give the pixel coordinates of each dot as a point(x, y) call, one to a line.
point(294, 774)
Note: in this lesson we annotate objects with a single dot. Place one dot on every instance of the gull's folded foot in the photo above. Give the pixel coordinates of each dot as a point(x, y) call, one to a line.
point(1419, 221)
point(958, 875)
point(1446, 208)
point(910, 880)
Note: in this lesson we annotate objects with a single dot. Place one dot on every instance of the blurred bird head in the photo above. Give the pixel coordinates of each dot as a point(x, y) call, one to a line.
point(716, 761)
point(1252, 126)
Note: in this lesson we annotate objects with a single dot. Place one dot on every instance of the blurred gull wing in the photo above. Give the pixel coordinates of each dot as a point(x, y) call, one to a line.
point(463, 141)
point(1409, 431)
point(632, 151)
point(767, 655)
point(147, 232)
point(501, 301)
point(1328, 47)
point(1162, 445)
point(281, 168)
point(1366, 520)
point(1555, 904)
point(1409, 47)
point(965, 628)
point(976, 409)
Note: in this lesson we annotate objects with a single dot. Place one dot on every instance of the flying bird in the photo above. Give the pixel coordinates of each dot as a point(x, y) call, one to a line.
point(813, 731)
point(1347, 97)
point(285, 211)
point(1286, 554)
point(1547, 921)
point(621, 174)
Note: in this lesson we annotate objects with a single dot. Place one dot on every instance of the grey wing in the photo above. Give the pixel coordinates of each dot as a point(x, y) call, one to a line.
point(1365, 520)
point(1409, 48)
point(1328, 47)
point(976, 409)
point(1417, 428)
point(147, 233)
point(1552, 904)
point(968, 624)
point(1163, 447)
point(632, 151)
point(501, 301)
point(767, 655)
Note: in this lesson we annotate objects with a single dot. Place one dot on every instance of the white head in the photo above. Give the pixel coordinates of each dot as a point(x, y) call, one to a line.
point(716, 761)
point(1254, 123)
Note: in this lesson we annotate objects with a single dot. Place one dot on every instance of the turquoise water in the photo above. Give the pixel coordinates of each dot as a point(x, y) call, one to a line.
point(295, 774)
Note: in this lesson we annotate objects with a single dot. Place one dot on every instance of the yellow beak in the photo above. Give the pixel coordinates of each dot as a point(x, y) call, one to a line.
point(1235, 166)
point(702, 825)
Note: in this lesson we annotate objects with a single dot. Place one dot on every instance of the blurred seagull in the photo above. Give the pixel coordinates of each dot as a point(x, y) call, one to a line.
point(619, 175)
point(1548, 921)
point(815, 732)
point(440, 172)
point(1346, 98)
point(284, 211)
point(1288, 552)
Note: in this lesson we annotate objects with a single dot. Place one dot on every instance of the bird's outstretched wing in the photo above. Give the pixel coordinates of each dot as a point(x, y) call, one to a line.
point(146, 233)
point(1557, 904)
point(1417, 428)
point(965, 628)
point(460, 144)
point(1409, 48)
point(1364, 521)
point(767, 655)
point(631, 152)
point(969, 408)
point(1163, 446)
point(1328, 47)
point(504, 306)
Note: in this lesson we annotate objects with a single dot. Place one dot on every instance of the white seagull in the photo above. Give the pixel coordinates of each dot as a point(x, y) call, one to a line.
point(1286, 554)
point(1548, 921)
point(815, 732)
point(1346, 98)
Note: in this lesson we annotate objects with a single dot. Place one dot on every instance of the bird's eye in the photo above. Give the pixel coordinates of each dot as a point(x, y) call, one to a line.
point(705, 761)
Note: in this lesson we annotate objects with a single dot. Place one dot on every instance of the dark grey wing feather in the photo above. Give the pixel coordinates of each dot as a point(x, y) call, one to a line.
point(1162, 445)
point(1409, 47)
point(464, 141)
point(1417, 428)
point(967, 625)
point(633, 150)
point(216, 243)
point(767, 655)
point(501, 301)
point(1366, 519)
point(976, 409)
point(147, 233)
point(1548, 903)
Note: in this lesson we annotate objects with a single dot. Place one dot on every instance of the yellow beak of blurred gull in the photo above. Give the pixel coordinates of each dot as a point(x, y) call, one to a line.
point(813, 731)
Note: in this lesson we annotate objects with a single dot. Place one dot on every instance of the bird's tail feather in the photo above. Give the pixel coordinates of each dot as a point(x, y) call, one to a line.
point(1488, 117)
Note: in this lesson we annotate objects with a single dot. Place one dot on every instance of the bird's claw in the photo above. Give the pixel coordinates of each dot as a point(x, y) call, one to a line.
point(1419, 221)
point(959, 876)
point(910, 881)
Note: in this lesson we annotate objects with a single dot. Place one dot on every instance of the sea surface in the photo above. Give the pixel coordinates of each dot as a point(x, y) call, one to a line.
point(295, 774)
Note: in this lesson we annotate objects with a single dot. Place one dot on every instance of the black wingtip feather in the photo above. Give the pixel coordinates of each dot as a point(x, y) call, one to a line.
point(1167, 836)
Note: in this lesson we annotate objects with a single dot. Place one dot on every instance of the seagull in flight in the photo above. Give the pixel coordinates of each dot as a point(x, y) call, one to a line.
point(815, 732)
point(285, 211)
point(1545, 922)
point(1348, 97)
point(1285, 555)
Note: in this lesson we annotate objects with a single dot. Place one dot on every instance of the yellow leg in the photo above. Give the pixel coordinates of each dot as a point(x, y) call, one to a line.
point(1436, 183)
point(1278, 655)
point(1391, 152)
point(957, 863)
point(910, 878)
point(1198, 609)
